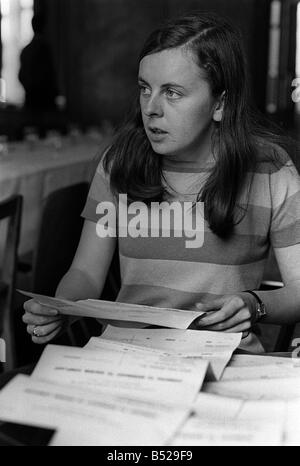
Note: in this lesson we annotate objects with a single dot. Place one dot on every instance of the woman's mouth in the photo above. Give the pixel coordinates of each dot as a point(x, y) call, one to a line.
point(156, 134)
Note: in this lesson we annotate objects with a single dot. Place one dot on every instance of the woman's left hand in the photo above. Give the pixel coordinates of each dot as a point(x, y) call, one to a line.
point(230, 313)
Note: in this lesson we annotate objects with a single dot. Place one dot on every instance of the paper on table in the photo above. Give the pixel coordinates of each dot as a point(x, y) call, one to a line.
point(224, 421)
point(214, 347)
point(250, 360)
point(292, 424)
point(84, 417)
point(111, 310)
point(265, 372)
point(155, 377)
point(259, 389)
point(95, 344)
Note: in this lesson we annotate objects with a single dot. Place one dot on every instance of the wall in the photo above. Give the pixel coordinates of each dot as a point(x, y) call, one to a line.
point(96, 45)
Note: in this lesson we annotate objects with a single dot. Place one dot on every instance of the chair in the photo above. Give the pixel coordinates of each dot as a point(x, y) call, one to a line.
point(58, 237)
point(285, 332)
point(59, 234)
point(10, 209)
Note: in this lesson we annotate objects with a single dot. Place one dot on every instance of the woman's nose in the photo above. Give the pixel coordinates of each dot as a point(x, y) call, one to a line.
point(153, 106)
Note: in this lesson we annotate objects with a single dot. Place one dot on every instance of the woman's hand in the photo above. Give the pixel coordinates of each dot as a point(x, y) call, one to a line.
point(43, 323)
point(230, 313)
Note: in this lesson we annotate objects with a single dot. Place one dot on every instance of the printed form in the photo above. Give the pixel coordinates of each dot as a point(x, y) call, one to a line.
point(85, 417)
point(214, 347)
point(115, 311)
point(154, 376)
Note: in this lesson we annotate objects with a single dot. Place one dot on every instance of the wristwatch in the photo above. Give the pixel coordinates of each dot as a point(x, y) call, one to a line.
point(260, 310)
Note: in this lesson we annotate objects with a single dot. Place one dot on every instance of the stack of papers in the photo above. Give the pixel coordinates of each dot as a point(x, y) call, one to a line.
point(141, 386)
point(247, 367)
point(218, 420)
point(116, 396)
point(214, 347)
point(147, 375)
point(86, 417)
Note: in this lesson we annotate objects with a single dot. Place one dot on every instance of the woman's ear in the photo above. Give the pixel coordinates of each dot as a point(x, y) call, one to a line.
point(219, 108)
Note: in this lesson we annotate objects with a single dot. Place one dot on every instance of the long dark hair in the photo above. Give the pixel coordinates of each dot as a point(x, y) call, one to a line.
point(136, 169)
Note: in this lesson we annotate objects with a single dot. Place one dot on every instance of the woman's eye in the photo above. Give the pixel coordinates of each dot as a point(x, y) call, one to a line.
point(144, 90)
point(172, 94)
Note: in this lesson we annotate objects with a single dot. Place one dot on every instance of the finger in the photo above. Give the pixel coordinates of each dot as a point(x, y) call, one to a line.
point(241, 316)
point(34, 319)
point(35, 308)
point(212, 305)
point(39, 331)
point(244, 326)
point(198, 322)
point(229, 309)
point(45, 339)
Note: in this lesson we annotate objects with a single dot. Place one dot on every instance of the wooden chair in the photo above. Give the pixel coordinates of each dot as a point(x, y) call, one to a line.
point(11, 210)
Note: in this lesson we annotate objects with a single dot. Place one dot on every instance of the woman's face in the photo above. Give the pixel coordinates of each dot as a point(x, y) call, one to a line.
point(177, 105)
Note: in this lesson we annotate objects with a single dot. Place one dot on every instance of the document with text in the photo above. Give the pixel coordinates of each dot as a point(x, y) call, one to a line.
point(225, 421)
point(154, 376)
point(214, 347)
point(85, 417)
point(257, 389)
point(115, 311)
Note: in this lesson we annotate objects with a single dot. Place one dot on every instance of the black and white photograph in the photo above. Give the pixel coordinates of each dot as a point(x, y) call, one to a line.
point(150, 226)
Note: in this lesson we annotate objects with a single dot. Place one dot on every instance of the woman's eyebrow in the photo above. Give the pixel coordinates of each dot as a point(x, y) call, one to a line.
point(170, 84)
point(141, 80)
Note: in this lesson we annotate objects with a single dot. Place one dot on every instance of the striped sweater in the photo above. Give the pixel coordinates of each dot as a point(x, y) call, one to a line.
point(163, 272)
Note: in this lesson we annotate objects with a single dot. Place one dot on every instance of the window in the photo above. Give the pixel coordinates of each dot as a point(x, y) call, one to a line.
point(16, 32)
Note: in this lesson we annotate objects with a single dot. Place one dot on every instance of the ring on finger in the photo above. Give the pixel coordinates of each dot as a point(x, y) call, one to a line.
point(35, 333)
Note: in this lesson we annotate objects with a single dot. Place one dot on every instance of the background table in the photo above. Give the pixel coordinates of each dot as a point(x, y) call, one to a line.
point(35, 169)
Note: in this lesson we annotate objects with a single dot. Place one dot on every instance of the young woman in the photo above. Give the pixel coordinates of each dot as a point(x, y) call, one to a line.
point(191, 137)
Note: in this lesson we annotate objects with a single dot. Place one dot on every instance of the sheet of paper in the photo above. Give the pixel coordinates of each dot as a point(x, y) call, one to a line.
point(214, 347)
point(261, 372)
point(259, 389)
point(249, 360)
point(100, 344)
point(84, 417)
point(292, 424)
point(198, 431)
point(225, 421)
point(154, 377)
point(115, 311)
point(283, 414)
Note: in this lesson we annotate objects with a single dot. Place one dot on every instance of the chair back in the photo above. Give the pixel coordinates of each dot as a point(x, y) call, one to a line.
point(284, 333)
point(10, 209)
point(59, 234)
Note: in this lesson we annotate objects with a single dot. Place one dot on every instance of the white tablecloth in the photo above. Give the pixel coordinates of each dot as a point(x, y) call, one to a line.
point(35, 170)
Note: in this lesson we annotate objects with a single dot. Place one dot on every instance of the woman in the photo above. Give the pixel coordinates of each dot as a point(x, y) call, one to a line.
point(192, 137)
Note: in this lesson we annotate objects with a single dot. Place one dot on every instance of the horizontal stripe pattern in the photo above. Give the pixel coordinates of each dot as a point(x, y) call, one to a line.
point(244, 249)
point(191, 277)
point(160, 296)
point(163, 272)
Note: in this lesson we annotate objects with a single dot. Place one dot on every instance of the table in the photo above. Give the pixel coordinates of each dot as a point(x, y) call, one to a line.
point(35, 169)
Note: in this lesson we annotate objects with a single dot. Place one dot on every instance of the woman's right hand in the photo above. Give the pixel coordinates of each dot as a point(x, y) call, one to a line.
point(43, 323)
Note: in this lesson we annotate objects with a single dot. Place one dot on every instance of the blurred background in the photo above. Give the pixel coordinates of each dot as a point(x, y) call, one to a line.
point(68, 74)
point(94, 44)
